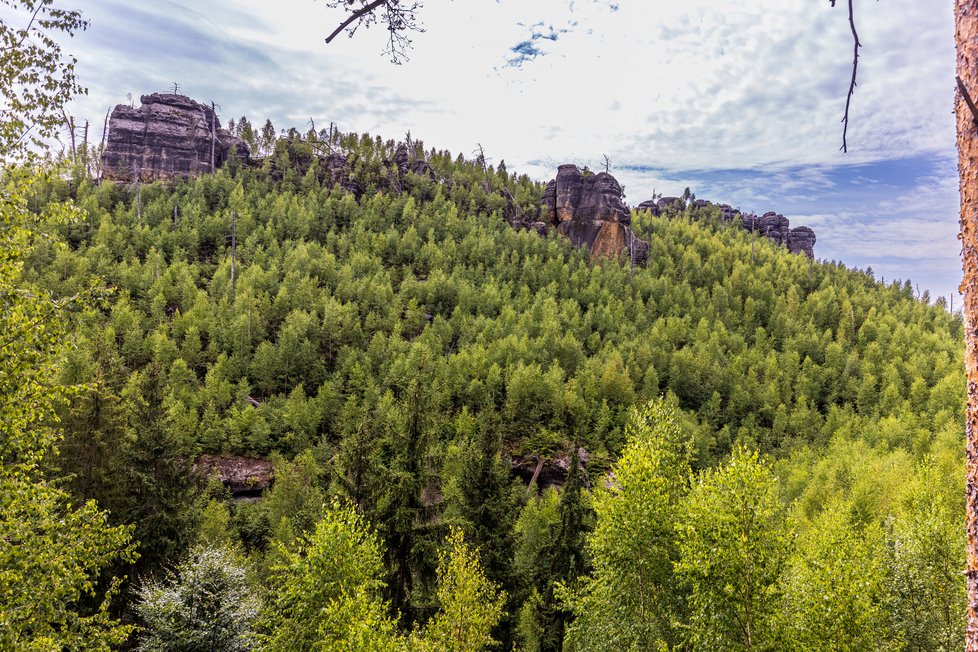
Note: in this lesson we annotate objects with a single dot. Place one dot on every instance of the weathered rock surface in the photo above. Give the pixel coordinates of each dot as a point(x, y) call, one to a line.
point(650, 206)
point(728, 213)
point(774, 226)
point(801, 240)
point(338, 172)
point(404, 164)
point(666, 202)
point(243, 476)
point(169, 136)
point(542, 472)
point(589, 211)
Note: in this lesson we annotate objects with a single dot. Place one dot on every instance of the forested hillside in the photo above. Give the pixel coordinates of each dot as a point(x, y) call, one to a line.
point(745, 449)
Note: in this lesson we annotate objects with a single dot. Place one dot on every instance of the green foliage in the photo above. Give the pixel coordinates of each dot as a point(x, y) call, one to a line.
point(326, 595)
point(631, 601)
point(733, 545)
point(836, 586)
point(927, 555)
point(36, 78)
point(470, 605)
point(53, 550)
point(205, 604)
point(402, 345)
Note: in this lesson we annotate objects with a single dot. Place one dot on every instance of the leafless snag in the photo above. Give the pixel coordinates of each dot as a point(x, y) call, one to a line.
point(399, 18)
point(852, 82)
point(481, 159)
point(101, 149)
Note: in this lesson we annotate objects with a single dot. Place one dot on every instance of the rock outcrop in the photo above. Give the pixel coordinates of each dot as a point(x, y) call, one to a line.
point(244, 477)
point(169, 136)
point(801, 240)
point(404, 164)
point(771, 225)
point(588, 210)
point(666, 202)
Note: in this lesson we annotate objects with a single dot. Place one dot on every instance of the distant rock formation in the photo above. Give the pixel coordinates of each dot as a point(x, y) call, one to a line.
point(243, 476)
point(801, 240)
point(771, 225)
point(169, 136)
point(589, 211)
point(403, 164)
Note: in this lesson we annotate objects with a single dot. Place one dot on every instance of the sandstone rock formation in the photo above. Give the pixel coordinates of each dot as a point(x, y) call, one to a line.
point(418, 166)
point(169, 136)
point(771, 225)
point(801, 240)
point(589, 211)
point(649, 205)
point(666, 202)
point(243, 476)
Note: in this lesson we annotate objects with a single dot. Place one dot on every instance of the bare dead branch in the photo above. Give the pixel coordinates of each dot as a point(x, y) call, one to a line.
point(399, 17)
point(852, 83)
point(967, 99)
point(355, 17)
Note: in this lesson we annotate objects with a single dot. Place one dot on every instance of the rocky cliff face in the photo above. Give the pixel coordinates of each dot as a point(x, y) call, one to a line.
point(589, 211)
point(169, 136)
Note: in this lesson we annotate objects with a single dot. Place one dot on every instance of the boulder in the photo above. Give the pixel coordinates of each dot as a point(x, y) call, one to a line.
point(169, 136)
point(801, 240)
point(244, 477)
point(588, 210)
point(650, 206)
point(774, 226)
point(666, 202)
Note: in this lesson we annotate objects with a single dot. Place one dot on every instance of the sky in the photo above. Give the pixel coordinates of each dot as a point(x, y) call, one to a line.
point(740, 100)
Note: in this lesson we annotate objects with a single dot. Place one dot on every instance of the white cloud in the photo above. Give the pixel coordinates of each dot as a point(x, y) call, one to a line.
point(660, 86)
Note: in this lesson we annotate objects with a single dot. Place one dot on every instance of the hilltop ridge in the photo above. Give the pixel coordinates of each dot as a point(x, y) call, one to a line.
point(172, 136)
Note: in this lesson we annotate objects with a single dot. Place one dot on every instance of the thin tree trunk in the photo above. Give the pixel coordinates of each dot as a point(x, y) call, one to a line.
point(88, 171)
point(234, 242)
point(101, 149)
point(966, 35)
point(213, 133)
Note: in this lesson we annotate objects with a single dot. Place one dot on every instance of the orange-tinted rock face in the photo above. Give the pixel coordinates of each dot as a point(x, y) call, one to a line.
point(610, 241)
point(589, 211)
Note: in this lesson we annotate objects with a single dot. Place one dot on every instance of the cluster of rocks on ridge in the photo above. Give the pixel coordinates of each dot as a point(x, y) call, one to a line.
point(771, 225)
point(588, 210)
point(173, 136)
point(169, 136)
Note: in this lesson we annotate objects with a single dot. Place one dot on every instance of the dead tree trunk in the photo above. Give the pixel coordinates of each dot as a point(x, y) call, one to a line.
point(213, 133)
point(88, 171)
point(485, 167)
point(101, 149)
point(234, 247)
point(966, 35)
point(70, 126)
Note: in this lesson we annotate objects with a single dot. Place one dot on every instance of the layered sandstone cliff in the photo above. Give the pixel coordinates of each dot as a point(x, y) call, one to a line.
point(168, 136)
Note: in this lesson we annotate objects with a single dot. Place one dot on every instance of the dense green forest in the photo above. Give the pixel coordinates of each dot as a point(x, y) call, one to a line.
point(757, 451)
